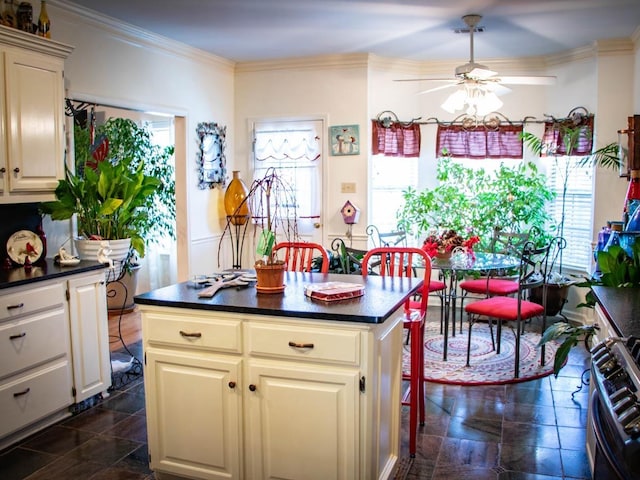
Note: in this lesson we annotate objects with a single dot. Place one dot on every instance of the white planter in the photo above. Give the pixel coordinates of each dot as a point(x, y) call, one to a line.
point(89, 250)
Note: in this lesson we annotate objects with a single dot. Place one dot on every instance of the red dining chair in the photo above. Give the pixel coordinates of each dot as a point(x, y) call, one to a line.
point(531, 274)
point(299, 255)
point(506, 243)
point(400, 262)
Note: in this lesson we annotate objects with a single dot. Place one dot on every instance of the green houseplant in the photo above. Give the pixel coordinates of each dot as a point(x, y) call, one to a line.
point(272, 208)
point(475, 202)
point(122, 186)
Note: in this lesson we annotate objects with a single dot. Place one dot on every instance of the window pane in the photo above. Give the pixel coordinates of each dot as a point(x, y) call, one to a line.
point(390, 176)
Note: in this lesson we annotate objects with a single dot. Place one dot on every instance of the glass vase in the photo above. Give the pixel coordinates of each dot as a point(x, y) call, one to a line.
point(235, 206)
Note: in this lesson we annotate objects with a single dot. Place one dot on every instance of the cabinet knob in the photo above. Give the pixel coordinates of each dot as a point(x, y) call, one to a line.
point(232, 384)
point(252, 387)
point(16, 170)
point(3, 170)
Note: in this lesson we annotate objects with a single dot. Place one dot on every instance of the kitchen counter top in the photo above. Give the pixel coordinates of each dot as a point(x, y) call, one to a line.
point(46, 270)
point(382, 297)
point(622, 308)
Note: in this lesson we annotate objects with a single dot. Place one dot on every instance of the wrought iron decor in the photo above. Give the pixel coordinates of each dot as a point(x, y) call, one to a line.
point(212, 162)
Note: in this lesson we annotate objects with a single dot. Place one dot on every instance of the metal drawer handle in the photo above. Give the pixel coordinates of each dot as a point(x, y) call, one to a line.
point(20, 335)
point(19, 394)
point(301, 345)
point(190, 335)
point(13, 307)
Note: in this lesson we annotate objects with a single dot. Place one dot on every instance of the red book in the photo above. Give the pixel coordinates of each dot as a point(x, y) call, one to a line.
point(330, 291)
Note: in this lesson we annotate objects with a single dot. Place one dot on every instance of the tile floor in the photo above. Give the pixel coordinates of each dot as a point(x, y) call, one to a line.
point(526, 431)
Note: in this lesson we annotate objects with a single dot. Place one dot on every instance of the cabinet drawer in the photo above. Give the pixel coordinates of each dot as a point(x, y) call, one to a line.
point(35, 396)
point(290, 341)
point(192, 331)
point(24, 302)
point(33, 340)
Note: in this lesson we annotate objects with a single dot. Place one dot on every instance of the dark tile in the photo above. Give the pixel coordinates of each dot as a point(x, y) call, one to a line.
point(58, 440)
point(436, 425)
point(579, 399)
point(125, 402)
point(575, 464)
point(529, 459)
point(464, 473)
point(104, 450)
point(571, 417)
point(531, 396)
point(133, 427)
point(17, 463)
point(428, 449)
point(530, 434)
point(457, 451)
point(527, 413)
point(572, 438)
point(137, 461)
point(96, 420)
point(490, 410)
point(67, 468)
point(475, 428)
point(118, 473)
point(509, 475)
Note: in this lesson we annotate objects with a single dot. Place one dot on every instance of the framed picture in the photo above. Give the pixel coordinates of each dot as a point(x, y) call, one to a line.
point(345, 140)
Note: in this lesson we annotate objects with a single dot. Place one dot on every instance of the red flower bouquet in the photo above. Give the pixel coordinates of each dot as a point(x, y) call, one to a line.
point(441, 245)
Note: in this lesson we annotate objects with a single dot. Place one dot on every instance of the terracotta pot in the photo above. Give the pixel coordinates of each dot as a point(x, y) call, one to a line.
point(270, 276)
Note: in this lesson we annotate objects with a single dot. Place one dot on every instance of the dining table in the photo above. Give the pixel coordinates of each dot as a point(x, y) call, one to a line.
point(459, 264)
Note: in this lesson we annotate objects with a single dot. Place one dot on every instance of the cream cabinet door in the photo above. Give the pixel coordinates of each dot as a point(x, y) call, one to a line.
point(34, 123)
point(193, 413)
point(89, 335)
point(302, 422)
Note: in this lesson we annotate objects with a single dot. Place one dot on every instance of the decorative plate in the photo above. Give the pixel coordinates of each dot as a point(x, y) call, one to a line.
point(23, 244)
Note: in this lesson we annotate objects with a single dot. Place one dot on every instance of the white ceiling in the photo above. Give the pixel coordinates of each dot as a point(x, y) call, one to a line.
point(246, 30)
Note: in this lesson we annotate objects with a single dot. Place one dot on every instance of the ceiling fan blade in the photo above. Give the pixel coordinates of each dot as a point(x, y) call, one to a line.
point(449, 79)
point(481, 73)
point(496, 88)
point(524, 80)
point(442, 87)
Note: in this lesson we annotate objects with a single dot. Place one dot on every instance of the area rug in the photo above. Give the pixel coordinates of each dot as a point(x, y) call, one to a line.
point(486, 367)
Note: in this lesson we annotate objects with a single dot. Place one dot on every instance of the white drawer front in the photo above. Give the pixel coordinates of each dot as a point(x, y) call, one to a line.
point(33, 340)
point(289, 341)
point(192, 331)
point(35, 396)
point(24, 302)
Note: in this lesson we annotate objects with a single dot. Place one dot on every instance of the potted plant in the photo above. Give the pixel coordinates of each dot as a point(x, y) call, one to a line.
point(122, 188)
point(512, 198)
point(272, 206)
point(570, 131)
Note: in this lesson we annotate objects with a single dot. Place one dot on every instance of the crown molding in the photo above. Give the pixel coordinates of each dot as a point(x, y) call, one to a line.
point(137, 36)
point(351, 60)
point(17, 38)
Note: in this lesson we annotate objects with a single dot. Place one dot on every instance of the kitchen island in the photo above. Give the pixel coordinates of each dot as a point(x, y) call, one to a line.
point(245, 385)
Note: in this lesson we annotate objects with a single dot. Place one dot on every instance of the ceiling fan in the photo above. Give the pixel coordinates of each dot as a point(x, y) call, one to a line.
point(473, 75)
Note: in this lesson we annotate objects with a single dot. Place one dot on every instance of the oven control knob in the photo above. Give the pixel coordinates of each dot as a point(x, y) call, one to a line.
point(599, 347)
point(623, 407)
point(597, 354)
point(629, 416)
point(620, 394)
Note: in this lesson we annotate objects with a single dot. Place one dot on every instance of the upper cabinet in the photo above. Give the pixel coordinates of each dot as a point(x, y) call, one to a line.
point(31, 116)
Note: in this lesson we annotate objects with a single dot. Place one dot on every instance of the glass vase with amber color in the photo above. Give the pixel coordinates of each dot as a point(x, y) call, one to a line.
point(234, 205)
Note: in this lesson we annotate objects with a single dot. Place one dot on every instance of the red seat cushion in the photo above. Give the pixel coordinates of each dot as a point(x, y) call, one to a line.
point(504, 308)
point(436, 285)
point(493, 287)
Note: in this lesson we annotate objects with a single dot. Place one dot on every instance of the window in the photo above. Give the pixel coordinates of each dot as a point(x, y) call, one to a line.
point(389, 177)
point(578, 208)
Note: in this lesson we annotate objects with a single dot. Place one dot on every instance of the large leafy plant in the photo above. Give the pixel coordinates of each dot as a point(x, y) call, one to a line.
point(475, 202)
point(125, 192)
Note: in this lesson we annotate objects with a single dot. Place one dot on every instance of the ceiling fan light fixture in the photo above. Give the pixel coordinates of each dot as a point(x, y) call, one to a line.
point(475, 99)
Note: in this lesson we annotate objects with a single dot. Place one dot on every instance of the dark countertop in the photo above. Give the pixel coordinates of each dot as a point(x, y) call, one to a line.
point(383, 296)
point(622, 308)
point(42, 271)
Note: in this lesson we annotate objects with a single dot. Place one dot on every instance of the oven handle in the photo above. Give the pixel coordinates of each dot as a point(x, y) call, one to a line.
point(601, 443)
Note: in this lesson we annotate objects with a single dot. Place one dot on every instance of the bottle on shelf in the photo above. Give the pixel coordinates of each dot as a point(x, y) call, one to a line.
point(9, 18)
point(632, 199)
point(44, 24)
